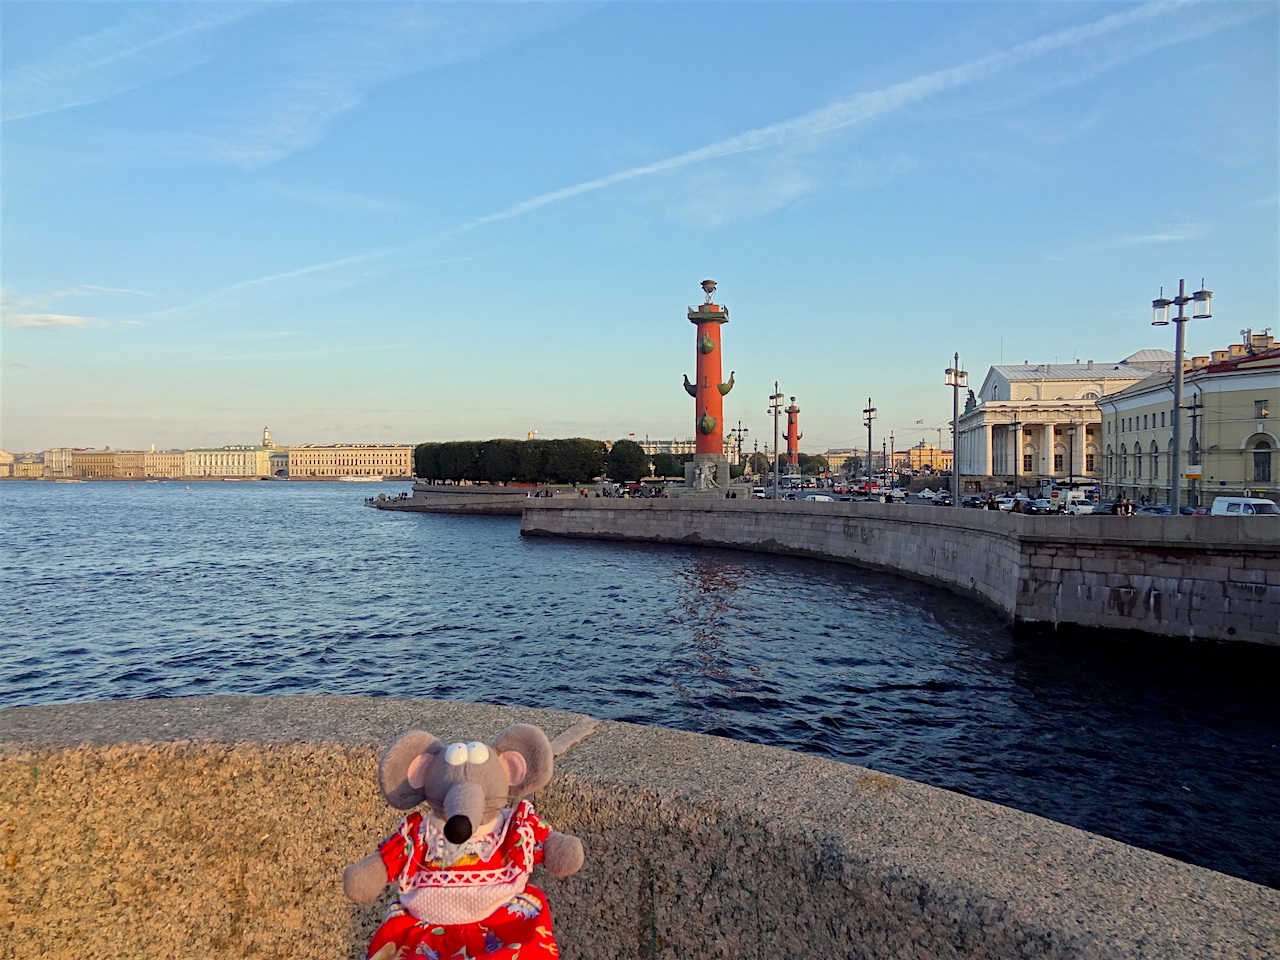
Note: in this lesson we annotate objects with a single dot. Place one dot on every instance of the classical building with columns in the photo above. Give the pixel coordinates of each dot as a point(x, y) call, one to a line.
point(1033, 422)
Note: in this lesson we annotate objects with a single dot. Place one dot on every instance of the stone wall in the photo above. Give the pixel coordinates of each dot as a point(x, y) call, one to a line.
point(218, 828)
point(1215, 578)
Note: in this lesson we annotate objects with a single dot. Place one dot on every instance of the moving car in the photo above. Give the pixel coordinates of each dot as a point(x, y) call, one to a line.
point(942, 498)
point(973, 501)
point(820, 496)
point(1041, 506)
point(1078, 508)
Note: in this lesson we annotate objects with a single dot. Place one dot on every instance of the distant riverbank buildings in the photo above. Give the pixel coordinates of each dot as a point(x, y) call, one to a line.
point(1034, 422)
point(236, 461)
point(1112, 423)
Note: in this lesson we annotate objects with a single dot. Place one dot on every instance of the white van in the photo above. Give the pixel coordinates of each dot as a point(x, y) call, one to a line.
point(1241, 506)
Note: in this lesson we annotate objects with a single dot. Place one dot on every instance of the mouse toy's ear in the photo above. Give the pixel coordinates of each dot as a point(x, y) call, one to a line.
point(402, 769)
point(526, 754)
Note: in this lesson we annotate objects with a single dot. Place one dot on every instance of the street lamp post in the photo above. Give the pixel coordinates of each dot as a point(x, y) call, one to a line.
point(870, 411)
point(956, 378)
point(1160, 318)
point(775, 408)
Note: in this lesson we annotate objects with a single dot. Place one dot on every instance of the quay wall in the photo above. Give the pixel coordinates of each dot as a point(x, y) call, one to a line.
point(1202, 578)
point(219, 827)
point(457, 499)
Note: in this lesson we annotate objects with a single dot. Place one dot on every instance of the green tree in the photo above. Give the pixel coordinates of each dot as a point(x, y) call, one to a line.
point(532, 465)
point(667, 465)
point(813, 466)
point(628, 461)
point(499, 460)
point(759, 463)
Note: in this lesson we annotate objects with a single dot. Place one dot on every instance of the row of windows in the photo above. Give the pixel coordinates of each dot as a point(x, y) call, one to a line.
point(1261, 453)
point(1261, 410)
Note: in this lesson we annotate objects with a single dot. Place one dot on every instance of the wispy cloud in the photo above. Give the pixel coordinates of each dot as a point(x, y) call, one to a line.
point(324, 198)
point(46, 320)
point(158, 41)
point(837, 117)
point(331, 64)
point(1177, 235)
point(17, 310)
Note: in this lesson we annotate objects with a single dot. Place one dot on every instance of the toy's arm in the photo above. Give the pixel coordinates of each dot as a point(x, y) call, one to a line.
point(562, 854)
point(363, 881)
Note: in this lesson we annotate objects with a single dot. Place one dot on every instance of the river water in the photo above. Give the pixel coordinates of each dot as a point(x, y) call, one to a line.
point(122, 590)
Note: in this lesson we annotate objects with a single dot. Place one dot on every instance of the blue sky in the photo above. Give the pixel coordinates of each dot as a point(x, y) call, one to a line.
point(430, 221)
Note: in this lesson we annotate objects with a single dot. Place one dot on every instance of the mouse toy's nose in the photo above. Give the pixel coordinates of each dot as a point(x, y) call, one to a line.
point(458, 829)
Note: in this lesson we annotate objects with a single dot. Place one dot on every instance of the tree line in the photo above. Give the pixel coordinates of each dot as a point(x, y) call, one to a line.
point(575, 460)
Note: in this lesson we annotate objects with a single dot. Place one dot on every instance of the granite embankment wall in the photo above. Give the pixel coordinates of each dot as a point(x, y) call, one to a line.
point(219, 827)
point(468, 500)
point(1207, 578)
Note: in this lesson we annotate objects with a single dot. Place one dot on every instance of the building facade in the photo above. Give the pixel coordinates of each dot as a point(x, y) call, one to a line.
point(1230, 437)
point(165, 464)
point(57, 463)
point(1035, 422)
point(689, 446)
point(93, 464)
point(350, 460)
point(229, 461)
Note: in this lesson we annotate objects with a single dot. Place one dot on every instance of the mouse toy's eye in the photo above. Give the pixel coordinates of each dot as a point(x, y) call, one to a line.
point(477, 752)
point(456, 754)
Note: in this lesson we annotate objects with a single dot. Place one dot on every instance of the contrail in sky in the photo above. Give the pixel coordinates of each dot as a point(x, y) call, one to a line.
point(833, 117)
point(847, 113)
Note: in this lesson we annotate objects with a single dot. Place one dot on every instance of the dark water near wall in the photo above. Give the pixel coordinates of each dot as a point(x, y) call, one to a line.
point(119, 590)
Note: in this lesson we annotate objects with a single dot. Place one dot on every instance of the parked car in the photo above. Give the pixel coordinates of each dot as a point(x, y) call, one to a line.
point(1155, 510)
point(974, 502)
point(820, 496)
point(757, 493)
point(1041, 506)
point(1242, 506)
point(1078, 508)
point(942, 498)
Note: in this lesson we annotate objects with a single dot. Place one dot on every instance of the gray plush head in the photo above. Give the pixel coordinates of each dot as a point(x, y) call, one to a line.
point(466, 784)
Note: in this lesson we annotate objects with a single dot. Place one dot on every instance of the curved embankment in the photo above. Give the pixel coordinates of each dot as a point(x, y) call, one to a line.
point(1202, 578)
point(219, 827)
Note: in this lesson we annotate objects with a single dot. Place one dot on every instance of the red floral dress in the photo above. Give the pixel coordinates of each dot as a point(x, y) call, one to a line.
point(466, 901)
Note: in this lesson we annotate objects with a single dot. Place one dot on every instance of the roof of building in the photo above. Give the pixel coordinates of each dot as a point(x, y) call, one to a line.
point(1264, 359)
point(1140, 364)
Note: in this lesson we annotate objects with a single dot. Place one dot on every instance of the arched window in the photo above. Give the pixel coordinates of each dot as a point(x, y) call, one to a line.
point(1137, 461)
point(1089, 396)
point(1155, 461)
point(1262, 462)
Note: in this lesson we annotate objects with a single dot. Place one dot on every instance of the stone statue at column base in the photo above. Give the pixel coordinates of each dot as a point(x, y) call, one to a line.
point(706, 475)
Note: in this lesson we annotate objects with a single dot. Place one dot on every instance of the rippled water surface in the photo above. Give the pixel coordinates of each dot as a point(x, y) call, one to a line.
point(119, 590)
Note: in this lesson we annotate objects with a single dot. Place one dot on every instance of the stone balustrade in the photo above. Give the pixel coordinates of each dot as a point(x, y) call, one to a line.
point(219, 827)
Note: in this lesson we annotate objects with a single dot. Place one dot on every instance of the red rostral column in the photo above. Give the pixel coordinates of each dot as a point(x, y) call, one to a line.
point(793, 434)
point(708, 392)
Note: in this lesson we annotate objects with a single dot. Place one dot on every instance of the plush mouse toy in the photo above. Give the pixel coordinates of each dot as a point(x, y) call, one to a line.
point(463, 869)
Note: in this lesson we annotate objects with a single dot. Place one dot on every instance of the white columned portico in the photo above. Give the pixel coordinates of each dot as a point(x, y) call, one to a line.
point(1046, 449)
point(987, 447)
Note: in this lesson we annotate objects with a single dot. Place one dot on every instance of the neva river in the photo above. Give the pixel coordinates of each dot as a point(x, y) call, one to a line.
point(120, 590)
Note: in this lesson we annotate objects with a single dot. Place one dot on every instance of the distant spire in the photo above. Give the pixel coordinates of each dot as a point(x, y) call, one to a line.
point(266, 436)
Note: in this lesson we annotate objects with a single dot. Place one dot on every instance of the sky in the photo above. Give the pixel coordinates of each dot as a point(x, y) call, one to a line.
point(404, 222)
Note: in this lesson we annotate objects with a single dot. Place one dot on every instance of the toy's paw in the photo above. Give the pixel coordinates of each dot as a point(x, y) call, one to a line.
point(562, 854)
point(363, 881)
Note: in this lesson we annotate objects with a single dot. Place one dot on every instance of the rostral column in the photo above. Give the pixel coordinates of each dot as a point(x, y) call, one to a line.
point(793, 437)
point(709, 470)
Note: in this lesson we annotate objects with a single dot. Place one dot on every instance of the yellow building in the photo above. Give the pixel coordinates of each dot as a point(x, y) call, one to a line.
point(350, 460)
point(131, 464)
point(1230, 429)
point(29, 469)
point(923, 456)
point(229, 461)
point(93, 464)
point(170, 464)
